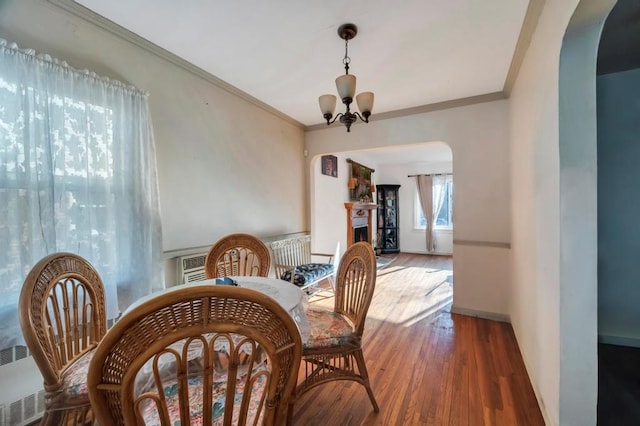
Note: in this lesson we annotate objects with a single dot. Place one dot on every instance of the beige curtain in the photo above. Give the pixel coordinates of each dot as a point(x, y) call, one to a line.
point(439, 188)
point(431, 191)
point(425, 193)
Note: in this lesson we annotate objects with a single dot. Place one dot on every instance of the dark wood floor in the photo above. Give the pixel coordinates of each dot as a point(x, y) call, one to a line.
point(618, 386)
point(427, 366)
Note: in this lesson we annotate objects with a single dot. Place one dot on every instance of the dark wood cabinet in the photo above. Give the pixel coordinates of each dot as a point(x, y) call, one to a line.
point(388, 235)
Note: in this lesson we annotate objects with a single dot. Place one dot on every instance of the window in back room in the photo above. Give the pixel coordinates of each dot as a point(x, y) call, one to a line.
point(444, 219)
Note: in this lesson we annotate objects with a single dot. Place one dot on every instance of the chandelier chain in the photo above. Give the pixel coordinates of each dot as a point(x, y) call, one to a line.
point(346, 60)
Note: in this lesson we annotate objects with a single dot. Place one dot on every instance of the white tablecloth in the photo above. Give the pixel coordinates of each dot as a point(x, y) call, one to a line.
point(290, 297)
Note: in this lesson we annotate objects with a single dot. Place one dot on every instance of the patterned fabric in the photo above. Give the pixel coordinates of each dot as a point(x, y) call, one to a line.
point(145, 379)
point(328, 329)
point(309, 273)
point(196, 366)
point(73, 391)
point(195, 390)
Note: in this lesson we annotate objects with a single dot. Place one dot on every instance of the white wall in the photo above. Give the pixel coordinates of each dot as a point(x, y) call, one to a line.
point(224, 164)
point(553, 203)
point(534, 307)
point(327, 200)
point(477, 135)
point(413, 240)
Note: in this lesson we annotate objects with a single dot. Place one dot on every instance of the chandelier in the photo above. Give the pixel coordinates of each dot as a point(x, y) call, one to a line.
point(346, 85)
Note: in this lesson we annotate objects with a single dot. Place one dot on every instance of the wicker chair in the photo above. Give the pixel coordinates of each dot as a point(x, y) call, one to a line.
point(62, 315)
point(197, 355)
point(292, 261)
point(334, 350)
point(237, 254)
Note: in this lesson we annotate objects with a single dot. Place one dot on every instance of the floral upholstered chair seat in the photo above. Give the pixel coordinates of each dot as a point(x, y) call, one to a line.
point(74, 391)
point(195, 390)
point(251, 366)
point(328, 329)
point(308, 273)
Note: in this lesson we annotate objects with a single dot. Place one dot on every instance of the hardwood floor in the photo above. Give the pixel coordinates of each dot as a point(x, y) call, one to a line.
point(426, 365)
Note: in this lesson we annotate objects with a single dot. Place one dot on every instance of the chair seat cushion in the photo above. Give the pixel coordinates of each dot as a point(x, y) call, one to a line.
point(73, 391)
point(328, 329)
point(308, 273)
point(196, 397)
point(168, 370)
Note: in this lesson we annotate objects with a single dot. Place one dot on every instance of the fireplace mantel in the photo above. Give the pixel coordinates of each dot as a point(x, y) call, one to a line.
point(357, 210)
point(360, 206)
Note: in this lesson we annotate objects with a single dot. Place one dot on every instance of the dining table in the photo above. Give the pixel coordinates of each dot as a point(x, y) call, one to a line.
point(289, 296)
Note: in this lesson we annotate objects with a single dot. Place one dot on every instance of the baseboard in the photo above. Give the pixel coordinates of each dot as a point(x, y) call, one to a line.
point(541, 404)
point(481, 314)
point(633, 342)
point(437, 253)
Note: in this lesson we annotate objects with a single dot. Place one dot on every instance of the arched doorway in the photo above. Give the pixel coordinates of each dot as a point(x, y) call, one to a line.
point(578, 213)
point(617, 83)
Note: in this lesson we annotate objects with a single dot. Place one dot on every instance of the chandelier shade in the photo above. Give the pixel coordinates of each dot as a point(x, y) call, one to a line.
point(365, 102)
point(327, 104)
point(346, 87)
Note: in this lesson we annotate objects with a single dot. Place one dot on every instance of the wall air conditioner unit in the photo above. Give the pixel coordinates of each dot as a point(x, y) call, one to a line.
point(29, 409)
point(197, 275)
point(191, 268)
point(25, 411)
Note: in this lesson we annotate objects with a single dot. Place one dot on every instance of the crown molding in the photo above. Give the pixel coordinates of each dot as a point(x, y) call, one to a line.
point(529, 24)
point(90, 16)
point(534, 10)
point(454, 103)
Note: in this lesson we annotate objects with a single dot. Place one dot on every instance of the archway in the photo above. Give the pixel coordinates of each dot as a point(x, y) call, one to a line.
point(329, 193)
point(394, 165)
point(618, 78)
point(578, 213)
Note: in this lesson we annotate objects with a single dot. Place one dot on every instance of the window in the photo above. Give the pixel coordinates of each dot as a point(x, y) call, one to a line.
point(77, 174)
point(445, 216)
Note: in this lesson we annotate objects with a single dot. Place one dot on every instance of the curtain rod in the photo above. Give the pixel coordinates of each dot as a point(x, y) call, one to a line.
point(432, 174)
point(349, 160)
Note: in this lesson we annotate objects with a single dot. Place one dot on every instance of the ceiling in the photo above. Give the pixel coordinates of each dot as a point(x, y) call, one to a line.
point(286, 53)
point(413, 54)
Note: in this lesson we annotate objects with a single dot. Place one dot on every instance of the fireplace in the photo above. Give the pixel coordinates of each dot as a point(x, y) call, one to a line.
point(359, 222)
point(360, 233)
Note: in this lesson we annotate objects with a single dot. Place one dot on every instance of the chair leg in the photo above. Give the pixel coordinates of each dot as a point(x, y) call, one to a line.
point(52, 418)
point(293, 275)
point(362, 368)
point(290, 413)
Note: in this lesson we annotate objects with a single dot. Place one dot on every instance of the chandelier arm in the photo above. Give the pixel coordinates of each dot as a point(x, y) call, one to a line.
point(350, 116)
point(357, 114)
point(336, 117)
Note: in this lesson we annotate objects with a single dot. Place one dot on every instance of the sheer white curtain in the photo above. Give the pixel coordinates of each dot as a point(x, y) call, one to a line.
point(431, 191)
point(439, 191)
point(77, 174)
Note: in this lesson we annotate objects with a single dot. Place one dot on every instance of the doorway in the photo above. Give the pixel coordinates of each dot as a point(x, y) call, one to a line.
point(618, 109)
